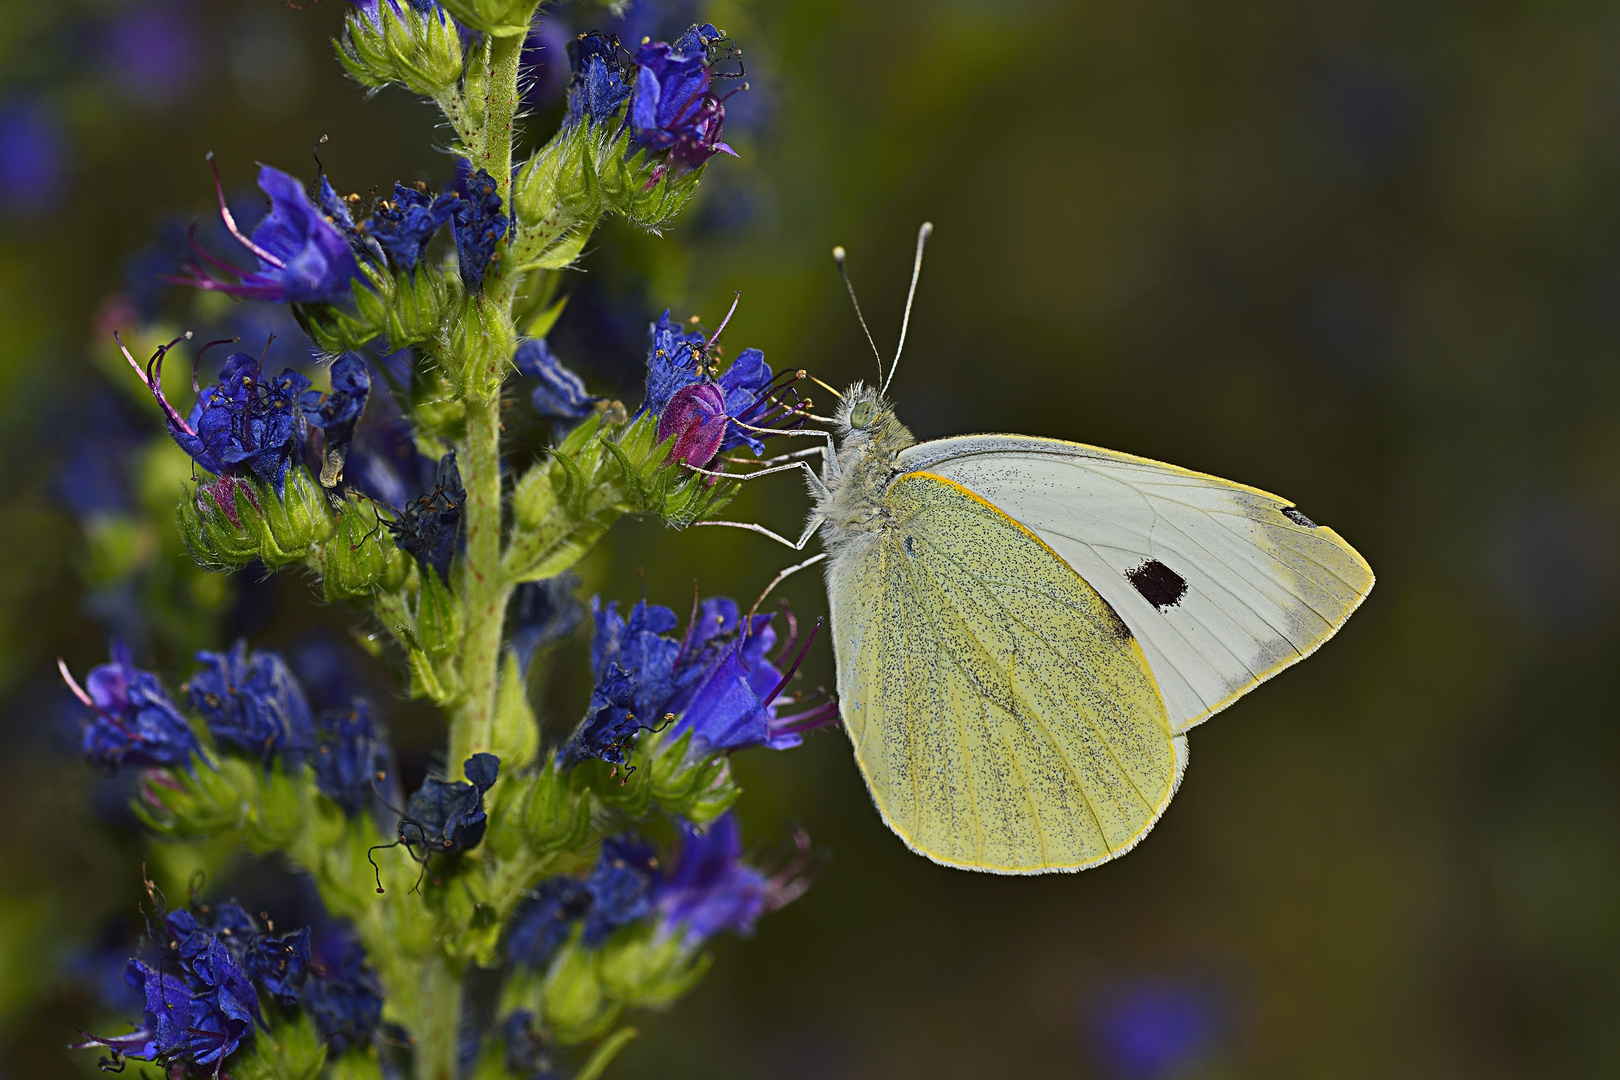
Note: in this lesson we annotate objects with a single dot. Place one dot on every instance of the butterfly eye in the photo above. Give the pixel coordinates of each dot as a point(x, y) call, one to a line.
point(863, 414)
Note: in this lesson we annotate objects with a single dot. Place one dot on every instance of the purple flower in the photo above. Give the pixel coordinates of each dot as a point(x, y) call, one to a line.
point(349, 753)
point(560, 394)
point(33, 160)
point(337, 413)
point(251, 701)
point(278, 962)
point(242, 426)
point(405, 224)
point(600, 78)
point(728, 690)
point(672, 106)
point(373, 12)
point(478, 225)
point(706, 415)
point(1153, 1028)
point(304, 258)
point(620, 886)
point(153, 52)
point(429, 527)
point(710, 888)
point(446, 816)
point(134, 721)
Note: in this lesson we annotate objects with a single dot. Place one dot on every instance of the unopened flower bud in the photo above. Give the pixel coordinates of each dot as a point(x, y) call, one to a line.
point(401, 41)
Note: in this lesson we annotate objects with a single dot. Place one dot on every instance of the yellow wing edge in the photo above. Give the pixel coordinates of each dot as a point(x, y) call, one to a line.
point(1178, 741)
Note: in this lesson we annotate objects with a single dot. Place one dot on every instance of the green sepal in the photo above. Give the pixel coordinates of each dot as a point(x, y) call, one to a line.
point(645, 187)
point(498, 18)
point(556, 200)
point(403, 46)
point(287, 1047)
point(360, 1063)
point(361, 556)
point(696, 788)
point(557, 811)
point(206, 798)
point(468, 922)
point(294, 523)
point(572, 997)
point(438, 615)
point(277, 531)
point(345, 328)
point(644, 968)
point(515, 733)
point(605, 1052)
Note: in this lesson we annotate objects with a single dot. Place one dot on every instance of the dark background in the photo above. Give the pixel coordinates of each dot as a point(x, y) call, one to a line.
point(1363, 255)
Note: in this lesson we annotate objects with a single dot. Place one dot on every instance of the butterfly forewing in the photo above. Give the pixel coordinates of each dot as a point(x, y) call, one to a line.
point(1004, 716)
point(1223, 585)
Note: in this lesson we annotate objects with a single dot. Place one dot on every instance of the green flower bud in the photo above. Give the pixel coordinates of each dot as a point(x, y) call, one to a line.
point(219, 523)
point(556, 200)
point(292, 525)
point(206, 799)
point(360, 556)
point(642, 187)
point(400, 44)
point(572, 999)
point(641, 968)
point(278, 813)
point(498, 18)
point(556, 815)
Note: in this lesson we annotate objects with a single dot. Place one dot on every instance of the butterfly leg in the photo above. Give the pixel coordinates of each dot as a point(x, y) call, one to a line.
point(804, 538)
point(777, 580)
point(778, 459)
point(816, 484)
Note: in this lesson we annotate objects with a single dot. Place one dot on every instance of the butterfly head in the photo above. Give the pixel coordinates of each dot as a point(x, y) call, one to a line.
point(864, 417)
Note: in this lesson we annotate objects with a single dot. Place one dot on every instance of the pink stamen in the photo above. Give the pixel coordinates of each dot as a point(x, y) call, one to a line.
point(152, 376)
point(797, 660)
point(230, 222)
point(715, 340)
point(73, 685)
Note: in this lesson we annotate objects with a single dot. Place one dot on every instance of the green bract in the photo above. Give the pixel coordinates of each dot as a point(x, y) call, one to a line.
point(499, 18)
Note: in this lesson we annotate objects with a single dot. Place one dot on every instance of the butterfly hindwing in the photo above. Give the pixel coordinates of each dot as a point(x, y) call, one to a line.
point(1004, 717)
point(1223, 585)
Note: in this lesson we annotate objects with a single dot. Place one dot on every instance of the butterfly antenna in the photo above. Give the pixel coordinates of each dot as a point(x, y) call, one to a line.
point(838, 257)
point(923, 234)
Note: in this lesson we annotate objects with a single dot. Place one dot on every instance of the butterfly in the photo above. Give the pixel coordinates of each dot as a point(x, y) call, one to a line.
point(1025, 629)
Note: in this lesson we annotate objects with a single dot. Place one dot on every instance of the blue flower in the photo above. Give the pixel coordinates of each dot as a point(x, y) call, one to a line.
point(544, 612)
point(599, 82)
point(277, 963)
point(372, 11)
point(674, 359)
point(406, 224)
point(524, 1049)
point(134, 721)
point(349, 753)
point(337, 413)
point(561, 394)
point(384, 461)
point(303, 257)
point(341, 995)
point(620, 887)
point(251, 701)
point(544, 922)
point(672, 106)
point(241, 426)
point(479, 226)
point(633, 663)
point(449, 816)
point(728, 688)
point(429, 528)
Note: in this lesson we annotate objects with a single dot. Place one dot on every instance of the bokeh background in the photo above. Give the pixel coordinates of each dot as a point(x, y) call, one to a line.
point(1365, 254)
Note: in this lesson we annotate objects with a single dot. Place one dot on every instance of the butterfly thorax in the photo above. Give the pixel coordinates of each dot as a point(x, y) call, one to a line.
point(852, 506)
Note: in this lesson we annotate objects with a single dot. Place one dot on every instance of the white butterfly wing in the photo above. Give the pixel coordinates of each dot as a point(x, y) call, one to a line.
point(1223, 585)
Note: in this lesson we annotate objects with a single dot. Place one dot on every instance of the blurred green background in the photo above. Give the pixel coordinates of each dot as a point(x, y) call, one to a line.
point(1366, 255)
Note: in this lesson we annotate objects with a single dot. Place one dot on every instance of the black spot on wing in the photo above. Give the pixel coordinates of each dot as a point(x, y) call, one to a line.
point(1159, 585)
point(911, 546)
point(1292, 514)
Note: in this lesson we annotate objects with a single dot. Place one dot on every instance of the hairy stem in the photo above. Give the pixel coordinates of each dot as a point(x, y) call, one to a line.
point(484, 589)
point(435, 1032)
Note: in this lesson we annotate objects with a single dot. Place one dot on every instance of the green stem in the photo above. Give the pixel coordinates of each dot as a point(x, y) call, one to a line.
point(484, 588)
point(439, 1019)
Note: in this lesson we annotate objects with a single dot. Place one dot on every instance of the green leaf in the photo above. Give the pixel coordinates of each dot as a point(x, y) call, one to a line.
point(515, 735)
point(289, 1050)
point(604, 1054)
